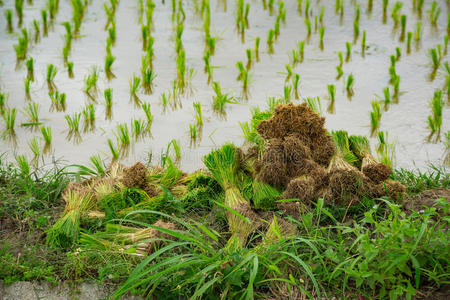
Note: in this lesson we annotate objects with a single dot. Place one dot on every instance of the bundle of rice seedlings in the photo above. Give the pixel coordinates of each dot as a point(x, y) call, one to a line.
point(391, 188)
point(264, 195)
point(65, 232)
point(345, 180)
point(301, 188)
point(376, 171)
point(274, 174)
point(279, 230)
point(223, 163)
point(126, 239)
point(135, 176)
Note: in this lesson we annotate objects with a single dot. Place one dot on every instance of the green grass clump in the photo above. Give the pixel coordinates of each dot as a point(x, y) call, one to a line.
point(47, 134)
point(148, 76)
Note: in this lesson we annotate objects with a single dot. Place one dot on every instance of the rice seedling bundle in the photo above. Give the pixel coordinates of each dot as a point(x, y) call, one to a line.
point(223, 163)
point(65, 232)
point(374, 170)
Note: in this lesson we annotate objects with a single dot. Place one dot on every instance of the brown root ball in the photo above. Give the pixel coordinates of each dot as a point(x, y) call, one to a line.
point(295, 149)
point(320, 176)
point(346, 182)
point(274, 174)
point(302, 167)
point(377, 172)
point(322, 149)
point(326, 194)
point(135, 176)
point(274, 152)
point(152, 190)
point(300, 188)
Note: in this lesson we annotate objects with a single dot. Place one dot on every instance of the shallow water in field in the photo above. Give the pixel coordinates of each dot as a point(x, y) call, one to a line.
point(406, 121)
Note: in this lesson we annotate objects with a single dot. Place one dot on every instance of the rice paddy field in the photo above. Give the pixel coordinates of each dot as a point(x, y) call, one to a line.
point(227, 149)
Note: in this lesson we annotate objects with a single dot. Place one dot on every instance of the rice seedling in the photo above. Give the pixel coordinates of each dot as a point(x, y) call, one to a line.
point(138, 128)
point(418, 31)
point(295, 83)
point(349, 85)
point(403, 26)
point(52, 6)
point(52, 70)
point(90, 81)
point(21, 48)
point(435, 59)
point(58, 100)
point(435, 119)
point(257, 42)
point(348, 48)
point(115, 151)
point(135, 84)
point(44, 21)
point(108, 45)
point(9, 116)
point(321, 34)
point(385, 151)
point(176, 149)
point(270, 39)
point(110, 14)
point(70, 69)
point(396, 89)
point(37, 30)
point(18, 5)
point(331, 91)
point(109, 60)
point(198, 114)
point(355, 31)
point(193, 132)
point(387, 98)
point(396, 12)
point(332, 96)
point(123, 136)
point(27, 83)
point(295, 58)
point(249, 58)
point(112, 33)
point(434, 13)
point(398, 53)
point(409, 36)
point(369, 6)
point(276, 28)
point(32, 112)
point(420, 7)
point(363, 43)
point(73, 122)
point(148, 114)
point(220, 99)
point(34, 147)
point(287, 91)
point(375, 117)
point(307, 6)
point(308, 27)
point(9, 20)
point(340, 72)
point(301, 50)
point(46, 135)
point(88, 114)
point(314, 104)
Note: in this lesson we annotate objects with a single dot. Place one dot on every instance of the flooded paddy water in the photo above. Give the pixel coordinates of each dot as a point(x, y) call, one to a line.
point(405, 120)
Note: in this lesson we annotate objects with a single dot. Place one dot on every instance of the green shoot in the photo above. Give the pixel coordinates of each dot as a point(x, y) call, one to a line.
point(47, 135)
point(135, 84)
point(340, 72)
point(51, 73)
point(9, 116)
point(27, 83)
point(32, 112)
point(375, 117)
point(109, 60)
point(90, 81)
point(148, 114)
point(70, 69)
point(295, 83)
point(332, 92)
point(257, 42)
point(348, 48)
point(73, 122)
point(9, 20)
point(198, 114)
point(435, 119)
point(403, 25)
point(409, 36)
point(349, 85)
point(115, 151)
